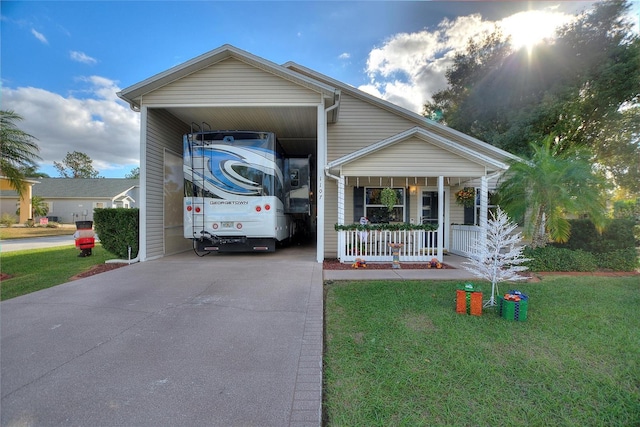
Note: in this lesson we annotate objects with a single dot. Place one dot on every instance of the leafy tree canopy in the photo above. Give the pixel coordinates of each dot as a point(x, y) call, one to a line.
point(583, 87)
point(76, 165)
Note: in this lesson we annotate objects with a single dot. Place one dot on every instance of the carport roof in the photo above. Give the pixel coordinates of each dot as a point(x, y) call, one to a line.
point(133, 94)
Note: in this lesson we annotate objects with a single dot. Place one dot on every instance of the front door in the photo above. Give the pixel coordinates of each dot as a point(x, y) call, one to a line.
point(429, 215)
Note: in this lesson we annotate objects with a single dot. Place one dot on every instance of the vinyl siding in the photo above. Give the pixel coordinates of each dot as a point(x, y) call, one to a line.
point(163, 131)
point(361, 124)
point(331, 217)
point(231, 82)
point(412, 157)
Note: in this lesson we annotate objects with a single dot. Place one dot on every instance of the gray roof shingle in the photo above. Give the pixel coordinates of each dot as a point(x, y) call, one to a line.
point(82, 187)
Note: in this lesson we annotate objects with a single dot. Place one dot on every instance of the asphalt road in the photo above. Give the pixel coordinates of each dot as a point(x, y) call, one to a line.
point(11, 245)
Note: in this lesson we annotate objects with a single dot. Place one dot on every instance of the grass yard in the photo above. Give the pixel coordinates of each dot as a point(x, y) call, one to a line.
point(26, 232)
point(37, 269)
point(397, 354)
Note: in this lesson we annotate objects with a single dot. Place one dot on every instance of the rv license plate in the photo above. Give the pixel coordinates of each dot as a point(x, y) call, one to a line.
point(227, 224)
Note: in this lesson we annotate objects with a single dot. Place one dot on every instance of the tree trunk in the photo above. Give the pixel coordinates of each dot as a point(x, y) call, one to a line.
point(539, 238)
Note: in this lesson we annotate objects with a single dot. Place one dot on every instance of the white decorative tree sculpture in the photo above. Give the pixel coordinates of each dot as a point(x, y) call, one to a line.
point(497, 258)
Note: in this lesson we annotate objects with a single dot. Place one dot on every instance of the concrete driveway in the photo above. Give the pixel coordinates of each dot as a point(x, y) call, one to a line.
point(12, 245)
point(224, 340)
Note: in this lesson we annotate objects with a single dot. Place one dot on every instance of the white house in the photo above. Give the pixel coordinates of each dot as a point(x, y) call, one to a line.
point(74, 199)
point(359, 144)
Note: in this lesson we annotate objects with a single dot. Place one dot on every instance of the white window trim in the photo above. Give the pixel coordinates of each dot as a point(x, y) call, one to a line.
point(400, 205)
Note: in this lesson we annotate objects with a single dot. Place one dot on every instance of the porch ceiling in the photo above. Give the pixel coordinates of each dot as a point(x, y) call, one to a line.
point(408, 181)
point(294, 126)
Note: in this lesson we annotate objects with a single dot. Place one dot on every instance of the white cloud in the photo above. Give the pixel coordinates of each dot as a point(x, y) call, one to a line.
point(39, 36)
point(409, 67)
point(101, 125)
point(82, 57)
point(345, 55)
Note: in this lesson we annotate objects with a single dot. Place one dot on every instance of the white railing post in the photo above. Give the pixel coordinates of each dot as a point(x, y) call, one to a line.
point(440, 243)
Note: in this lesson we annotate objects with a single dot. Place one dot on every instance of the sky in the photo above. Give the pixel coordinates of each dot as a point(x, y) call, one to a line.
point(62, 63)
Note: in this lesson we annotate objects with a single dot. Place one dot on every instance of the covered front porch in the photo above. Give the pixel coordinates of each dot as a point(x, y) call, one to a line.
point(415, 245)
point(442, 198)
point(426, 223)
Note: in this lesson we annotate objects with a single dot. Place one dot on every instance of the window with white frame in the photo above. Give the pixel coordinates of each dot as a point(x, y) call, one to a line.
point(491, 205)
point(99, 205)
point(378, 213)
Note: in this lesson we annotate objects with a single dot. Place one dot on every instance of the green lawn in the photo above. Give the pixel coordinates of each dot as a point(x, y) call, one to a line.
point(32, 270)
point(27, 232)
point(397, 354)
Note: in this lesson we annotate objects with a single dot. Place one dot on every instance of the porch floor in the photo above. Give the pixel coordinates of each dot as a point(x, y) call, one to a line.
point(456, 272)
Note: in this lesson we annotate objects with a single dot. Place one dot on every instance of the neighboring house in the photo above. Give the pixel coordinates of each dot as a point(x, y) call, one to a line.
point(359, 144)
point(74, 199)
point(11, 205)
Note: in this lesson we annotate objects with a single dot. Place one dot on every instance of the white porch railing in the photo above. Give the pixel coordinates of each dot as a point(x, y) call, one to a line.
point(373, 245)
point(463, 238)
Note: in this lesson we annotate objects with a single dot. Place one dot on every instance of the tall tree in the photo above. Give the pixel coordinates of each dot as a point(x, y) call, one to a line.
point(76, 165)
point(583, 87)
point(19, 150)
point(548, 188)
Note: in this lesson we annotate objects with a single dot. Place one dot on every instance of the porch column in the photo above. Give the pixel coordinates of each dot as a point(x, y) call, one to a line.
point(321, 164)
point(441, 201)
point(341, 244)
point(25, 203)
point(341, 200)
point(484, 203)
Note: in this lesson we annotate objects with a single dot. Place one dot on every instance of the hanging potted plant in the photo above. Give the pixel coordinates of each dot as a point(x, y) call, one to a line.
point(389, 198)
point(466, 197)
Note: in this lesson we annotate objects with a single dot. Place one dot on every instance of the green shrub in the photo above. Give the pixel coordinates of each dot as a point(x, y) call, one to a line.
point(628, 209)
point(551, 258)
point(8, 220)
point(618, 235)
point(118, 229)
point(619, 260)
point(30, 223)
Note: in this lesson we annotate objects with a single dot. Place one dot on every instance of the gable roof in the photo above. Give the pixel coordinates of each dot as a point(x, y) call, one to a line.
point(133, 94)
point(427, 136)
point(86, 188)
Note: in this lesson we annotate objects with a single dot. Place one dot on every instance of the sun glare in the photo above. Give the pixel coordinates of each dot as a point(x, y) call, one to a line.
point(532, 27)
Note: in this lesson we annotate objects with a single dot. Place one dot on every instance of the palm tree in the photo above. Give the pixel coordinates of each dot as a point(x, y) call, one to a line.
point(38, 207)
point(19, 150)
point(548, 188)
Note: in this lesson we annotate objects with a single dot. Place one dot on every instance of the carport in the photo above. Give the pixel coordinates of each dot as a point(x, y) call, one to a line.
point(230, 89)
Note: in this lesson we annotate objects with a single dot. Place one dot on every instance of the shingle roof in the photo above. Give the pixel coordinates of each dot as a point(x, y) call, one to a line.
point(82, 187)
